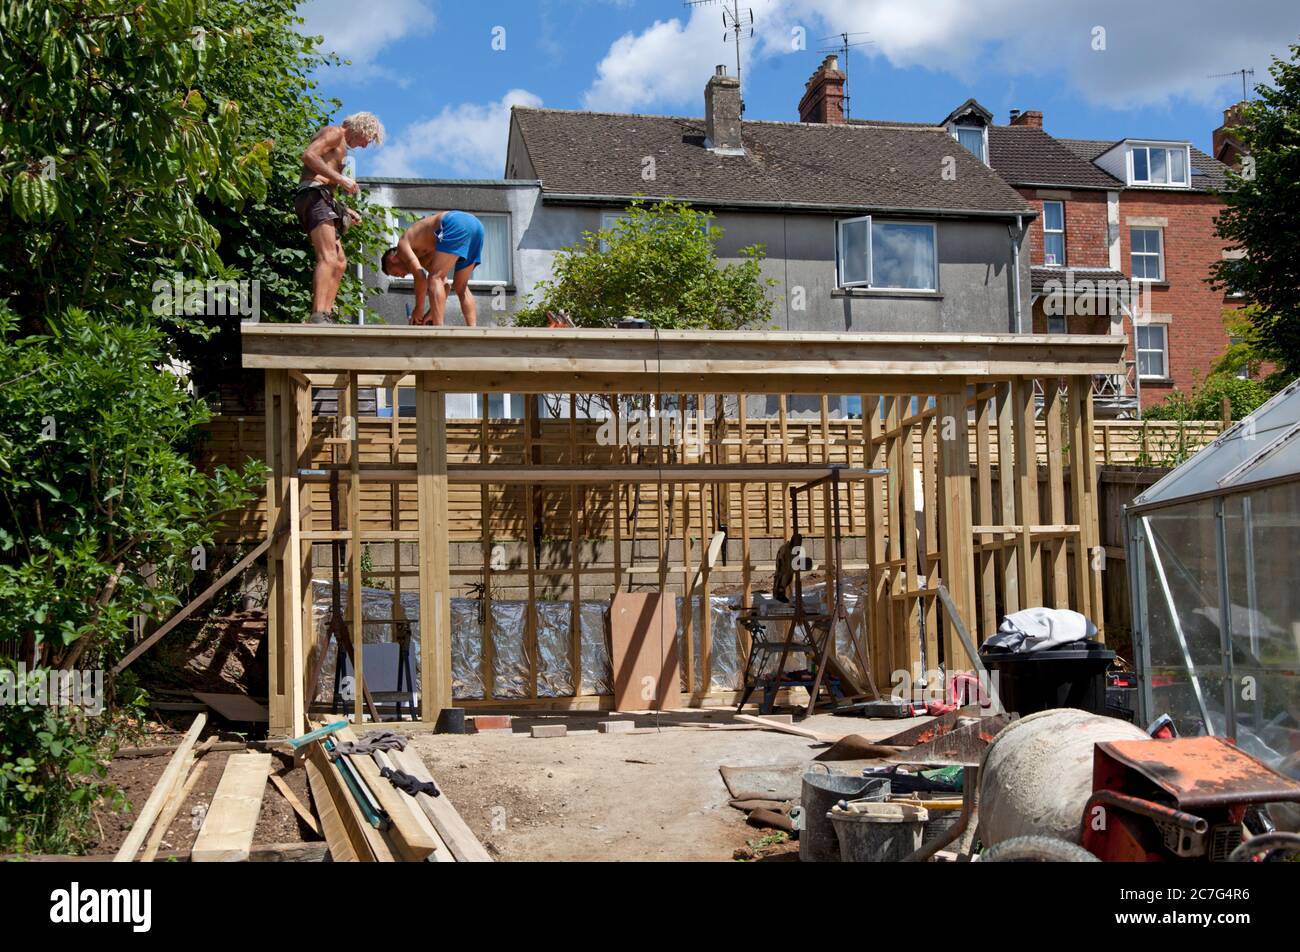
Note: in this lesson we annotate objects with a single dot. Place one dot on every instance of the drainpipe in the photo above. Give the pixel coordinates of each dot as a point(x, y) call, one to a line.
point(1015, 270)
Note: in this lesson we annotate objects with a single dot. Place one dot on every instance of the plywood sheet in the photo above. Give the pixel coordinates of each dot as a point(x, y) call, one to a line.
point(643, 643)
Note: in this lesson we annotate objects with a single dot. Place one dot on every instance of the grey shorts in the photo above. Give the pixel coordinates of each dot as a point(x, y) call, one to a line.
point(315, 205)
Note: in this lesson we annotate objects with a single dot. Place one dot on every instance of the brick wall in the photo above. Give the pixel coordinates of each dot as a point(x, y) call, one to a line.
point(1196, 333)
point(1085, 226)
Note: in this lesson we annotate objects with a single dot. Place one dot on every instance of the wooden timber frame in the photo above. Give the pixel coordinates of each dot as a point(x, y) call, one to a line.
point(991, 539)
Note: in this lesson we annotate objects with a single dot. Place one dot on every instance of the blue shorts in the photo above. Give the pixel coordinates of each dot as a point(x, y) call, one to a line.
point(462, 236)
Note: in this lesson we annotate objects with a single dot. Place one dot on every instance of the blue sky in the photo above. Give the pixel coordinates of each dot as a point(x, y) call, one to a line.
point(442, 76)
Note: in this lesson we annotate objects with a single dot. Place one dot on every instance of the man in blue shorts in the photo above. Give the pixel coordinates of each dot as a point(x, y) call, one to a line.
point(448, 245)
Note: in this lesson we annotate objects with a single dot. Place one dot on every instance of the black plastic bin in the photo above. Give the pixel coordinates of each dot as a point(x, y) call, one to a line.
point(1070, 675)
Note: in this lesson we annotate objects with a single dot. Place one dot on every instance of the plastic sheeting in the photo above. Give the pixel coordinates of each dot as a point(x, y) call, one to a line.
point(728, 662)
point(511, 671)
point(376, 603)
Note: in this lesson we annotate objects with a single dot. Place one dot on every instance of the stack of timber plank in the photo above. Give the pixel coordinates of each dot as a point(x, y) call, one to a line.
point(366, 819)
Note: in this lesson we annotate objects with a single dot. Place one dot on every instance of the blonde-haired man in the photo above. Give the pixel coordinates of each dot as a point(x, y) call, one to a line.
point(323, 216)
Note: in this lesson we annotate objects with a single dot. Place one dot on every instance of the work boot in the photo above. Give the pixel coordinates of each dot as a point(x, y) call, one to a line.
point(318, 317)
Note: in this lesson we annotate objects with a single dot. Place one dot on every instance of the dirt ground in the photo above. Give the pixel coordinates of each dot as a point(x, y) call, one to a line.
point(590, 796)
point(651, 795)
point(136, 777)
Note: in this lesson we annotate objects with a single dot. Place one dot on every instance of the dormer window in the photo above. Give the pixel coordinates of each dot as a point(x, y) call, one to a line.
point(1158, 165)
point(969, 125)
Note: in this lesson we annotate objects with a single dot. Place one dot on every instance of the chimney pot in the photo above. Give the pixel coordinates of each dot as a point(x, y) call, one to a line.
point(1029, 117)
point(720, 70)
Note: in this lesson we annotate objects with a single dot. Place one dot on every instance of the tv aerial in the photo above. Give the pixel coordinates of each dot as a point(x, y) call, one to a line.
point(846, 43)
point(738, 24)
point(1243, 73)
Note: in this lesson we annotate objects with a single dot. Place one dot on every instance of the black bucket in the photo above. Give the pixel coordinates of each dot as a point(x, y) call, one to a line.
point(821, 791)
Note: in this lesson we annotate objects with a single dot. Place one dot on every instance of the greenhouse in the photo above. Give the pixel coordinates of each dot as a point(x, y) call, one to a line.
point(1215, 586)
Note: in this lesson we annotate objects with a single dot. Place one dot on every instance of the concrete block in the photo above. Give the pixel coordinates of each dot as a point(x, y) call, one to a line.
point(549, 730)
point(615, 727)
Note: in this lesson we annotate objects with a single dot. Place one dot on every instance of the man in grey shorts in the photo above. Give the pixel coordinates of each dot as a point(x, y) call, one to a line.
point(321, 214)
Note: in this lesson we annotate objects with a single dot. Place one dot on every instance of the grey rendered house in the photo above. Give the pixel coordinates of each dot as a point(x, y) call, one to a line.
point(866, 227)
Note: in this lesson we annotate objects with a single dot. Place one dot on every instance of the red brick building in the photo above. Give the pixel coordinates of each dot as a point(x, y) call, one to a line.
point(1123, 242)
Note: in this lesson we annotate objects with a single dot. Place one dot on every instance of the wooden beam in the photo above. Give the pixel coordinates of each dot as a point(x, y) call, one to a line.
point(196, 604)
point(1056, 491)
point(1088, 562)
point(955, 541)
point(135, 837)
point(455, 832)
point(175, 801)
point(435, 551)
point(227, 832)
point(1029, 567)
point(524, 360)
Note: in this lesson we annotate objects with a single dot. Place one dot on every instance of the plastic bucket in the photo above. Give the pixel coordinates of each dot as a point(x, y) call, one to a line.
point(820, 792)
point(878, 832)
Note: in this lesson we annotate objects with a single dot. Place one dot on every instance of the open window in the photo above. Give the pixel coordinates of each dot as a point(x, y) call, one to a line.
point(886, 255)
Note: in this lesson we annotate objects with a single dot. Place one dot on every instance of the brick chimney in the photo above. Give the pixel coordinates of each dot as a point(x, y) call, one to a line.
point(1227, 147)
point(722, 108)
point(1030, 117)
point(823, 98)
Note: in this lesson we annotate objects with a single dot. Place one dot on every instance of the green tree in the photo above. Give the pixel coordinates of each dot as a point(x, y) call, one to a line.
point(1206, 399)
point(1262, 219)
point(659, 263)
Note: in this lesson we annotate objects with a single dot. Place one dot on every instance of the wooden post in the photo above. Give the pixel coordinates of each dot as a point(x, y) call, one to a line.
point(530, 514)
point(299, 602)
point(575, 549)
point(435, 577)
point(1056, 492)
point(1088, 562)
point(873, 455)
point(984, 482)
point(487, 654)
point(278, 606)
point(356, 611)
point(955, 532)
point(1007, 560)
point(1030, 568)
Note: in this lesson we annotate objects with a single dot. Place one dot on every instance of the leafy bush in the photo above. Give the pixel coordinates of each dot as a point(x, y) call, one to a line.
point(102, 506)
point(1206, 400)
point(52, 775)
point(658, 263)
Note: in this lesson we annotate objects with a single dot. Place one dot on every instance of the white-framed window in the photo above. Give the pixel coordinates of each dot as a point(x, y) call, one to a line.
point(497, 266)
point(1054, 234)
point(1152, 350)
point(889, 255)
point(1158, 165)
point(1147, 251)
point(975, 139)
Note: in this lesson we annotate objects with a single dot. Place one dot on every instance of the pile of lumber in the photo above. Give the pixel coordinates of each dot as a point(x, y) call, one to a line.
point(365, 818)
point(231, 819)
point(361, 815)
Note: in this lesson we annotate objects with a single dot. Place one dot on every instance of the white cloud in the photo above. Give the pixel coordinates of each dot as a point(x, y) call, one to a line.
point(1153, 55)
point(467, 140)
point(665, 64)
point(359, 33)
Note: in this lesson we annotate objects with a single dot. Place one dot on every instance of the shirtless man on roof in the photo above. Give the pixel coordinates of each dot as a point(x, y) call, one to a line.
point(448, 244)
point(320, 213)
